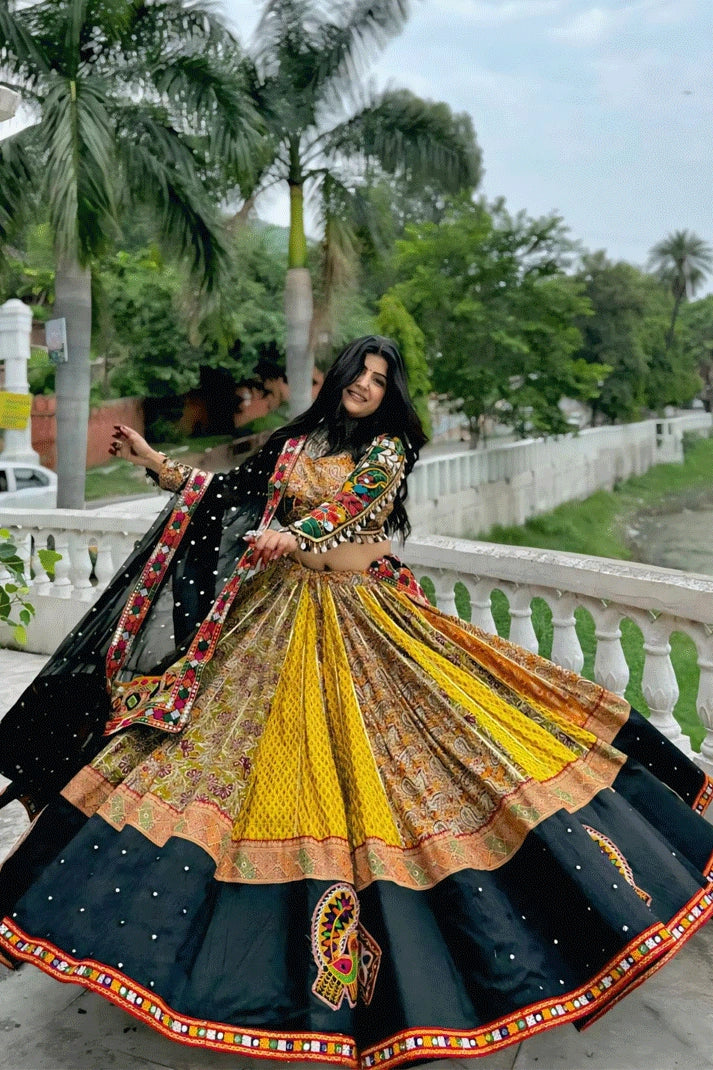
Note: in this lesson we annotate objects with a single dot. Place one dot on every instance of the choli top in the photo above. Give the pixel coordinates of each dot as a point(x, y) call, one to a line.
point(328, 499)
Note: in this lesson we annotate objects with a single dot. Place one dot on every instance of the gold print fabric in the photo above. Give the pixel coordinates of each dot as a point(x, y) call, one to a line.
point(346, 733)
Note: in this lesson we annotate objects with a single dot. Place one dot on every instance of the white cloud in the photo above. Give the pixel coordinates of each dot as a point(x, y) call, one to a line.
point(587, 28)
point(596, 24)
point(495, 12)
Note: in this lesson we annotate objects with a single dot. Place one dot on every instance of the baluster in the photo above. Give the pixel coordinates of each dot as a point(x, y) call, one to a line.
point(62, 586)
point(566, 647)
point(521, 630)
point(660, 686)
point(444, 583)
point(23, 542)
point(704, 700)
point(481, 611)
point(104, 568)
point(610, 666)
point(41, 585)
point(80, 566)
point(122, 546)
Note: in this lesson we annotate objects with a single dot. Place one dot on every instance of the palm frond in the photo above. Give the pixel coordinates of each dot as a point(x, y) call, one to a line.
point(404, 135)
point(340, 257)
point(193, 86)
point(21, 54)
point(157, 27)
point(17, 185)
point(681, 261)
point(345, 46)
point(77, 135)
point(160, 170)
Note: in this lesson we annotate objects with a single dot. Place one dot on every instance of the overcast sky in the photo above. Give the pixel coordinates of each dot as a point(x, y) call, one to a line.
point(602, 112)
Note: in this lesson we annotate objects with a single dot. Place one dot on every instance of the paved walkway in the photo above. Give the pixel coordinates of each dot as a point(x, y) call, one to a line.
point(666, 1024)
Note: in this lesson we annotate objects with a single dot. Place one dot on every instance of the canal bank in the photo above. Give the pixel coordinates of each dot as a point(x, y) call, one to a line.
point(660, 518)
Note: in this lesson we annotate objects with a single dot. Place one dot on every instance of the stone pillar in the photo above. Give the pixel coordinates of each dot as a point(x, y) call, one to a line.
point(15, 328)
point(9, 101)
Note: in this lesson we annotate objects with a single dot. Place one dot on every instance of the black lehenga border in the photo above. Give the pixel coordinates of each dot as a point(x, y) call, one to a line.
point(637, 960)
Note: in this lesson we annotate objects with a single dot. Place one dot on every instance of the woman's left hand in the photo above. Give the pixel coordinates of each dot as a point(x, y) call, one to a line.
point(271, 545)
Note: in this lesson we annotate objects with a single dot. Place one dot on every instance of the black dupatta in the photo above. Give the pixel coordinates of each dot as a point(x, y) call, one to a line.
point(58, 724)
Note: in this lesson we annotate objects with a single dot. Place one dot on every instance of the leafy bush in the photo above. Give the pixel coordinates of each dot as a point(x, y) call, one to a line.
point(15, 611)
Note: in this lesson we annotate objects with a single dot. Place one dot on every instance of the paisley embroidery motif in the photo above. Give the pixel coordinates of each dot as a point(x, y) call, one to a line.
point(347, 956)
point(608, 848)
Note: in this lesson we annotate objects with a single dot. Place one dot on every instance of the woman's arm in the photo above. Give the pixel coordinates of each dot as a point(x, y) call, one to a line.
point(248, 482)
point(367, 490)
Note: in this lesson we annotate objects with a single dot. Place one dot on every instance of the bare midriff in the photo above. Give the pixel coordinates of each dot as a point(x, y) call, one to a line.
point(347, 557)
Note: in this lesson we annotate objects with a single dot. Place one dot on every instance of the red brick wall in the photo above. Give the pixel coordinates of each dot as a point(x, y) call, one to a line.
point(101, 423)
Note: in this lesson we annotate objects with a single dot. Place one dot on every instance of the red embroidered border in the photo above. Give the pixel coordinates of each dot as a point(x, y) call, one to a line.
point(172, 714)
point(641, 957)
point(705, 796)
point(149, 582)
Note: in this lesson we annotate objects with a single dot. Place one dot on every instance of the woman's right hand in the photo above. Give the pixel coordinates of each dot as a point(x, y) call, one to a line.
point(131, 446)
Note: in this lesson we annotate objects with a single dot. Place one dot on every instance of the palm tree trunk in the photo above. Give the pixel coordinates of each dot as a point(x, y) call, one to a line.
point(73, 300)
point(298, 310)
point(674, 316)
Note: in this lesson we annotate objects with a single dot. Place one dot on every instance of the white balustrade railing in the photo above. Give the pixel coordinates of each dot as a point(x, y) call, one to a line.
point(92, 546)
point(469, 491)
point(660, 602)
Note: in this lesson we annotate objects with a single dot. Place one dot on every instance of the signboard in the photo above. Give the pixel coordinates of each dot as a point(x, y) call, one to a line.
point(14, 410)
point(56, 340)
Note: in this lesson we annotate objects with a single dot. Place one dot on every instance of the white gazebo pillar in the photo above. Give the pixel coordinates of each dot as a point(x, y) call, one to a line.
point(15, 329)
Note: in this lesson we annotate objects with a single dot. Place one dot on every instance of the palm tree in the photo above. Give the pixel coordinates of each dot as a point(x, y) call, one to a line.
point(135, 103)
point(324, 140)
point(682, 261)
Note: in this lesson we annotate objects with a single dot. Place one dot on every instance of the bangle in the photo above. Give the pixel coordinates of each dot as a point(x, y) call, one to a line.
point(172, 474)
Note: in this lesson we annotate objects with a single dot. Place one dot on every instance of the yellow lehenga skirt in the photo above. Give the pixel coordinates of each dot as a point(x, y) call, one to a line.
point(384, 835)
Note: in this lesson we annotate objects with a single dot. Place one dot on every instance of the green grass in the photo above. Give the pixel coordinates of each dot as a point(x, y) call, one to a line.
point(597, 526)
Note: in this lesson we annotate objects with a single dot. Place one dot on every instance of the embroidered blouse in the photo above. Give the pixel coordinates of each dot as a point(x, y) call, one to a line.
point(327, 500)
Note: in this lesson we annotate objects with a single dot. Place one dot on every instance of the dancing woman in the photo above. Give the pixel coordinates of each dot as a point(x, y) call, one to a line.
point(286, 808)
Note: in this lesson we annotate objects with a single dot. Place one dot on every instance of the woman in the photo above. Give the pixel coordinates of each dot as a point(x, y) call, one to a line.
point(330, 822)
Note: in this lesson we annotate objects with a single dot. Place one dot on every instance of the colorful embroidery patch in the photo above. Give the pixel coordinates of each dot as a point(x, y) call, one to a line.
point(371, 485)
point(610, 849)
point(347, 956)
point(149, 582)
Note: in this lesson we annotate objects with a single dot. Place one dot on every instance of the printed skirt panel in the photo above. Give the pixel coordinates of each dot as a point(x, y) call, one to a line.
point(383, 837)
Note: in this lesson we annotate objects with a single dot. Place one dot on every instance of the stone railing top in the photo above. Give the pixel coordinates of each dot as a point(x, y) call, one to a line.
point(692, 421)
point(646, 587)
point(86, 520)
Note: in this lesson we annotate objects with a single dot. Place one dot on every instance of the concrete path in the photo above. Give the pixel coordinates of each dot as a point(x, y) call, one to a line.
point(666, 1024)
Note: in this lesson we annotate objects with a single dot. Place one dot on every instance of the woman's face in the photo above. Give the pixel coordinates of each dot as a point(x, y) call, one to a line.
point(364, 395)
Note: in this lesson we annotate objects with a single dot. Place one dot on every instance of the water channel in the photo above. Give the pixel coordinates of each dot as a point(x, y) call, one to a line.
point(681, 538)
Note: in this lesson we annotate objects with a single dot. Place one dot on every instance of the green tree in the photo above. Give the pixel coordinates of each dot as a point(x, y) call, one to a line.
point(158, 334)
point(134, 103)
point(616, 333)
point(395, 322)
point(489, 292)
point(306, 82)
point(682, 261)
point(697, 321)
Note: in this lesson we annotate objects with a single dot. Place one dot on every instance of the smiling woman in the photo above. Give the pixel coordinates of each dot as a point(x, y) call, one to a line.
point(364, 395)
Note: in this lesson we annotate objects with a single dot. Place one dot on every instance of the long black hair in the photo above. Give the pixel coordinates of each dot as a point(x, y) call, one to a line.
point(395, 415)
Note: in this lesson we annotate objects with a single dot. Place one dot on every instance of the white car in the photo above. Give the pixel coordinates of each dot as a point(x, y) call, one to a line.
point(27, 486)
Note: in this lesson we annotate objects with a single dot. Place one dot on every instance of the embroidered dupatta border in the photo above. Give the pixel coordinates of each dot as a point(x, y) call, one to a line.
point(148, 584)
point(171, 715)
